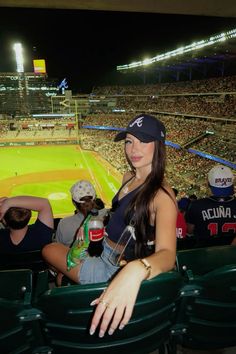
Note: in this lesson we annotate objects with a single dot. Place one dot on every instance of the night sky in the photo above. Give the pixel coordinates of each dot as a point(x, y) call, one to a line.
point(76, 44)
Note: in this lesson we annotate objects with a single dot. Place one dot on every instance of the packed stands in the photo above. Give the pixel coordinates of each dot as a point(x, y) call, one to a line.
point(199, 116)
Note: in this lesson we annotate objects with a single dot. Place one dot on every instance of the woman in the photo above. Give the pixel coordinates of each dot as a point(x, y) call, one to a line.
point(143, 224)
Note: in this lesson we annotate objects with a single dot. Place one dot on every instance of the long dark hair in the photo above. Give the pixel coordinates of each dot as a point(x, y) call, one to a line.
point(139, 206)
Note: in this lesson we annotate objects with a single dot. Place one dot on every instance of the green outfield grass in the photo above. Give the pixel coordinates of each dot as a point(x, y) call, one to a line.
point(49, 171)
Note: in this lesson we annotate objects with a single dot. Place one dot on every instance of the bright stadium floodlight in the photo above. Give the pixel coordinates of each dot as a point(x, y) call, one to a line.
point(19, 57)
point(224, 36)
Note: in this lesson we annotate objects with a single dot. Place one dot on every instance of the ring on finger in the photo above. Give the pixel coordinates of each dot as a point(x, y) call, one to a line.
point(106, 304)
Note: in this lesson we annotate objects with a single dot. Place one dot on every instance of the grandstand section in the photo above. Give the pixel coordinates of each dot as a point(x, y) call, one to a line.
point(24, 93)
point(186, 168)
point(83, 104)
point(39, 129)
point(196, 140)
point(209, 57)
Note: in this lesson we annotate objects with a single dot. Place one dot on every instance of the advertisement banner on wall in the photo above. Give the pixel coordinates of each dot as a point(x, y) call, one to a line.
point(39, 66)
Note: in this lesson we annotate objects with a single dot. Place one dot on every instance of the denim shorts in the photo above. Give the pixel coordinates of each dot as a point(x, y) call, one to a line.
point(98, 269)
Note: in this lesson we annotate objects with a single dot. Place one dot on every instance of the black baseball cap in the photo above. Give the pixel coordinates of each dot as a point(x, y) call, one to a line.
point(144, 127)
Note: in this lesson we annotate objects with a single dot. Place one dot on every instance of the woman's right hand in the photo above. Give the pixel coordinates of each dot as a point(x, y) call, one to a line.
point(116, 303)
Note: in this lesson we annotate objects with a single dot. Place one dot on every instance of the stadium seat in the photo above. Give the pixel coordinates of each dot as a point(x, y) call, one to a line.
point(217, 240)
point(67, 315)
point(185, 243)
point(26, 260)
point(32, 261)
point(16, 285)
point(19, 328)
point(207, 312)
point(199, 261)
point(193, 242)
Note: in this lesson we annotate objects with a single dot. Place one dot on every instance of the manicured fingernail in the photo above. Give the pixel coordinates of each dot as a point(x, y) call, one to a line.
point(121, 326)
point(92, 330)
point(93, 303)
point(111, 331)
point(101, 334)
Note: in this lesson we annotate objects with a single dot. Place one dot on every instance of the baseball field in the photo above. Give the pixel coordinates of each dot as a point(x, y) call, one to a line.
point(50, 171)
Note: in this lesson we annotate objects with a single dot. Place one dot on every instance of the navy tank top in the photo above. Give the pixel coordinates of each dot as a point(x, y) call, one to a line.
point(117, 222)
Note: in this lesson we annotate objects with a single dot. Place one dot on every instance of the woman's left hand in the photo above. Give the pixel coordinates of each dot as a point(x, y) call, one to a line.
point(115, 305)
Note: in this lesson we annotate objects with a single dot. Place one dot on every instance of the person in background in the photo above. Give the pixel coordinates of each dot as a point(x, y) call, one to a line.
point(99, 204)
point(15, 214)
point(192, 197)
point(103, 212)
point(83, 198)
point(214, 218)
point(141, 233)
point(176, 192)
point(181, 225)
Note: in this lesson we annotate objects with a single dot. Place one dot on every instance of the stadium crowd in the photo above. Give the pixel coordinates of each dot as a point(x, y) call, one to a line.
point(213, 85)
point(198, 114)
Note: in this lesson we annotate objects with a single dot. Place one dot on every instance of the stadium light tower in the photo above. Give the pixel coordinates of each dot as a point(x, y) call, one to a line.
point(19, 57)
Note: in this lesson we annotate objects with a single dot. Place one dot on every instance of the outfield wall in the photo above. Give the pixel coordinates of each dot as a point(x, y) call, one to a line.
point(38, 142)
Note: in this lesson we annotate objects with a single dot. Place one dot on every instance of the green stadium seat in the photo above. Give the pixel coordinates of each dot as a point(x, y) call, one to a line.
point(41, 281)
point(26, 260)
point(199, 261)
point(16, 285)
point(207, 312)
point(18, 325)
point(193, 242)
point(67, 315)
point(185, 243)
point(29, 260)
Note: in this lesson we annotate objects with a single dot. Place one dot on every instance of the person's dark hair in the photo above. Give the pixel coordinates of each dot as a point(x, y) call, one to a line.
point(83, 207)
point(193, 197)
point(175, 191)
point(142, 199)
point(76, 204)
point(17, 218)
point(79, 205)
point(99, 203)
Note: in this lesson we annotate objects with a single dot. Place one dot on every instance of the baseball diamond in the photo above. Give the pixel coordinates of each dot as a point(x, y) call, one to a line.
point(49, 171)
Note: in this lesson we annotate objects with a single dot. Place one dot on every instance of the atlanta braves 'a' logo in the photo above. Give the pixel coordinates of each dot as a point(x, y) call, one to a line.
point(138, 121)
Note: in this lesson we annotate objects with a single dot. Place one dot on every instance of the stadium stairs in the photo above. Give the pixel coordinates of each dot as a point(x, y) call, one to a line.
point(192, 307)
point(196, 139)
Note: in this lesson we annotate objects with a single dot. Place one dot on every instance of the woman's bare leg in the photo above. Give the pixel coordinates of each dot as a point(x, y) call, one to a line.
point(55, 255)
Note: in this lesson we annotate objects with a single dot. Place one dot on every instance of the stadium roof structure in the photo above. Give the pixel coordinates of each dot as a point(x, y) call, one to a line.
point(226, 8)
point(216, 51)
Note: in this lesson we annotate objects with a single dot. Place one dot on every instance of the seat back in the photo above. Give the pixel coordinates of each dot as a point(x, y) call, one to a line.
point(32, 261)
point(200, 261)
point(185, 243)
point(15, 300)
point(26, 260)
point(207, 315)
point(16, 285)
point(67, 317)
